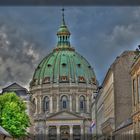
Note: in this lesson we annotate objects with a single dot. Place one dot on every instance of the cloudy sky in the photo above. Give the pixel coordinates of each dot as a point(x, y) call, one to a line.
point(100, 34)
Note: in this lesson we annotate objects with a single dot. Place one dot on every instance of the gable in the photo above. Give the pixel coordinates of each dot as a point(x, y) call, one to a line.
point(64, 115)
point(19, 90)
point(14, 87)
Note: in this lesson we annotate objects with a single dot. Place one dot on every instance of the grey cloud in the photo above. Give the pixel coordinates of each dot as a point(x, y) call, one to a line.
point(18, 56)
point(99, 34)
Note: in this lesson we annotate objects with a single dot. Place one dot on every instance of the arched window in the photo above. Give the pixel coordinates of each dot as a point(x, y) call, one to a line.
point(82, 104)
point(46, 104)
point(64, 102)
point(34, 105)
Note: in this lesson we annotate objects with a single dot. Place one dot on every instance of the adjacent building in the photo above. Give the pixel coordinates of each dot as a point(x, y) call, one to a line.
point(99, 115)
point(62, 89)
point(115, 99)
point(20, 91)
point(23, 94)
point(135, 75)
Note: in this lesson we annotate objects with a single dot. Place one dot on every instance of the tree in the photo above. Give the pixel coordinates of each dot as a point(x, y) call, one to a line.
point(13, 116)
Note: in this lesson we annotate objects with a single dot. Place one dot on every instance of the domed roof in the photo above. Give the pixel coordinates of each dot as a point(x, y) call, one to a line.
point(64, 64)
point(63, 30)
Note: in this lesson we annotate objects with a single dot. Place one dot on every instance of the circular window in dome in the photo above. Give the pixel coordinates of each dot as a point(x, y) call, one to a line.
point(79, 65)
point(49, 65)
point(64, 64)
point(38, 67)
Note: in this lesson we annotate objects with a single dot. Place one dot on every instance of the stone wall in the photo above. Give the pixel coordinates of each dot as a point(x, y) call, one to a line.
point(122, 87)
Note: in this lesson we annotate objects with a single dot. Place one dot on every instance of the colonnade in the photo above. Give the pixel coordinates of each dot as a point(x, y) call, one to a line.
point(71, 132)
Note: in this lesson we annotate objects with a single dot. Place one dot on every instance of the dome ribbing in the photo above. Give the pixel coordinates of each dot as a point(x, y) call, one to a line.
point(63, 65)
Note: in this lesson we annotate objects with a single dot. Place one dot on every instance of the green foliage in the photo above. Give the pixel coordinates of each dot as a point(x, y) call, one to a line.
point(13, 115)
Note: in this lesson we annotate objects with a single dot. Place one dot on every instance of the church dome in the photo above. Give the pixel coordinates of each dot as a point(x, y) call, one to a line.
point(64, 64)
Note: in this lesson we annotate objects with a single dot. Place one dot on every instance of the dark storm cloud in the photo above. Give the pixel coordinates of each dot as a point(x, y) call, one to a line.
point(18, 57)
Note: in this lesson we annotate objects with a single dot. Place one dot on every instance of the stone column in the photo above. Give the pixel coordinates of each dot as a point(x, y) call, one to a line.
point(87, 103)
point(82, 132)
point(77, 103)
point(71, 132)
point(58, 132)
point(58, 103)
point(51, 104)
point(70, 102)
point(47, 133)
point(37, 104)
point(41, 105)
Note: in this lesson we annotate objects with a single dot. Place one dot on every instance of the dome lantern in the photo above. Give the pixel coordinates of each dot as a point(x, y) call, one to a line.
point(63, 34)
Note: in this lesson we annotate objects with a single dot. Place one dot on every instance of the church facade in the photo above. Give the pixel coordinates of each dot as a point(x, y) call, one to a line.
point(62, 90)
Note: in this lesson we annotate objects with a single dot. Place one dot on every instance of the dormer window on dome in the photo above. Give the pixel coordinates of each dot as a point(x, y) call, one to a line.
point(46, 80)
point(81, 79)
point(33, 82)
point(63, 78)
point(93, 80)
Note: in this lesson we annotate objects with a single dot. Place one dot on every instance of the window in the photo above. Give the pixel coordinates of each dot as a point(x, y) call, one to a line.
point(46, 80)
point(81, 79)
point(134, 92)
point(49, 65)
point(46, 103)
point(34, 105)
point(64, 78)
point(64, 64)
point(64, 102)
point(82, 103)
point(139, 87)
point(79, 65)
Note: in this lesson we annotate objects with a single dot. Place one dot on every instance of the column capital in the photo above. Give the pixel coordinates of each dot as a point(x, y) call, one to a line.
point(71, 125)
point(57, 126)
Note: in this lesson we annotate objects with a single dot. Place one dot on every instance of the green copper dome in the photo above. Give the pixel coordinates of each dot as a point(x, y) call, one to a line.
point(64, 64)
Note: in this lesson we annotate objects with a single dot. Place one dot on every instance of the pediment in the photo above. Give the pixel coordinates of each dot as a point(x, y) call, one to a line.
point(65, 115)
point(14, 87)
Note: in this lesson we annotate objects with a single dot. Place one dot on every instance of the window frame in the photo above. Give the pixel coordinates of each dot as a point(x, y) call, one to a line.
point(46, 102)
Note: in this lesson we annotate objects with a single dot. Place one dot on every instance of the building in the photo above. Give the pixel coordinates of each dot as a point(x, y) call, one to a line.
point(93, 116)
point(116, 96)
point(20, 91)
point(99, 115)
point(4, 135)
point(23, 94)
point(124, 131)
point(135, 75)
point(62, 88)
